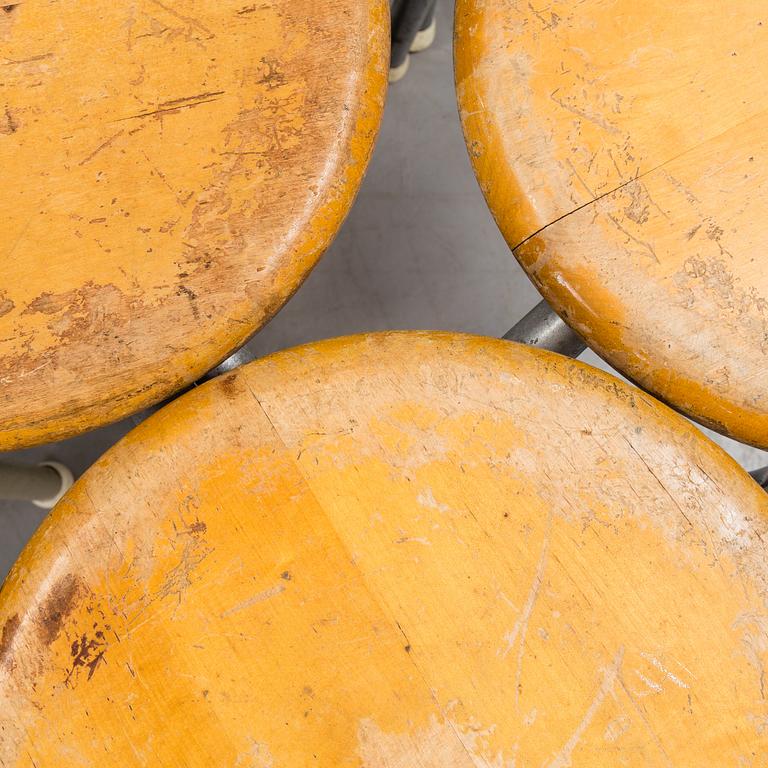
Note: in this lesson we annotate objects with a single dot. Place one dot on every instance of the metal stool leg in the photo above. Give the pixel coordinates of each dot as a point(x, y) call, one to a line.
point(235, 360)
point(426, 34)
point(408, 18)
point(543, 328)
point(760, 476)
point(43, 485)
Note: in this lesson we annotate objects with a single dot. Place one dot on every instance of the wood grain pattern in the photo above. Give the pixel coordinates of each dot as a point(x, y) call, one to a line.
point(622, 149)
point(397, 550)
point(170, 174)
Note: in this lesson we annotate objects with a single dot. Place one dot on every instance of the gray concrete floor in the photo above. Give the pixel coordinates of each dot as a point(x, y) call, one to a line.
point(418, 250)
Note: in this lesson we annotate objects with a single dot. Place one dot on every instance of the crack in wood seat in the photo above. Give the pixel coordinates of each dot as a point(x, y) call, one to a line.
point(170, 174)
point(404, 549)
point(622, 149)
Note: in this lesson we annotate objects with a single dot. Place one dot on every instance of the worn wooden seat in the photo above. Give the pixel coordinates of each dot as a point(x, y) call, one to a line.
point(397, 550)
point(622, 149)
point(170, 173)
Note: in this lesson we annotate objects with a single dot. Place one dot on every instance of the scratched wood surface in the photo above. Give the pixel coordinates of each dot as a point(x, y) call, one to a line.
point(397, 550)
point(621, 146)
point(169, 173)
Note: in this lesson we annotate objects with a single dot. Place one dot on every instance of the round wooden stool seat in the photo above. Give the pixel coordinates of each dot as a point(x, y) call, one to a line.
point(622, 149)
point(171, 171)
point(397, 550)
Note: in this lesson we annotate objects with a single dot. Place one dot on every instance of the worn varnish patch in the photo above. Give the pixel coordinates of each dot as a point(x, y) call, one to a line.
point(166, 193)
point(629, 176)
point(436, 746)
point(6, 305)
point(445, 551)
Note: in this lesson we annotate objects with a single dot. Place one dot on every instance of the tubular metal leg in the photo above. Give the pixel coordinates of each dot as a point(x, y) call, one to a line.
point(235, 360)
point(408, 17)
point(43, 485)
point(543, 328)
point(761, 477)
point(426, 34)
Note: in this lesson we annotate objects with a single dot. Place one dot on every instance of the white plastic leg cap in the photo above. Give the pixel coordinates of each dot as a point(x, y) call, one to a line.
point(67, 480)
point(398, 73)
point(424, 38)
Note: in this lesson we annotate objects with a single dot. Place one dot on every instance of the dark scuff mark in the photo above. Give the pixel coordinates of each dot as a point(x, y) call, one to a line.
point(87, 653)
point(171, 107)
point(229, 385)
point(182, 290)
point(10, 628)
point(57, 606)
point(197, 527)
point(8, 123)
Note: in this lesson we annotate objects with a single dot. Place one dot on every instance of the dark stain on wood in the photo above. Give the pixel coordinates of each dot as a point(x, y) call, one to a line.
point(87, 653)
point(229, 385)
point(57, 606)
point(8, 123)
point(10, 628)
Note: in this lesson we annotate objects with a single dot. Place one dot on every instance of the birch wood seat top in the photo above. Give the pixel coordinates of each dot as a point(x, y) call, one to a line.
point(623, 149)
point(398, 550)
point(170, 172)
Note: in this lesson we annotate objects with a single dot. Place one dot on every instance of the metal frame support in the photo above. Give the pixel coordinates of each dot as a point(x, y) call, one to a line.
point(760, 476)
point(237, 359)
point(43, 485)
point(543, 328)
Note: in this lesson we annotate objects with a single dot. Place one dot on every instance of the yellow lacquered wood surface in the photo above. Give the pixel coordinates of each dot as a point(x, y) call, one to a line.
point(622, 149)
point(169, 174)
point(398, 550)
